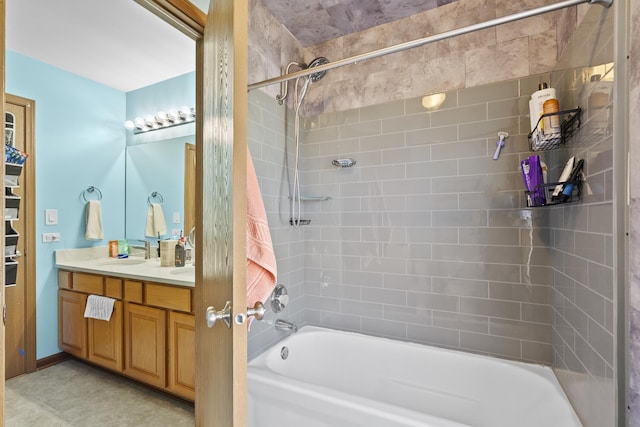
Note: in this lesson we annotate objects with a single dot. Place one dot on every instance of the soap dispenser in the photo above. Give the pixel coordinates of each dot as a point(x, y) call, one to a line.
point(179, 252)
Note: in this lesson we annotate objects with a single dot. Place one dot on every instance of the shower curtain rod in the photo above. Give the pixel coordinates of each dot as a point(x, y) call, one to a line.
point(426, 40)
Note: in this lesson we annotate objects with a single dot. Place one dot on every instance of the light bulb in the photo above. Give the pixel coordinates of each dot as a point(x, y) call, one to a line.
point(129, 125)
point(188, 113)
point(150, 121)
point(140, 124)
point(173, 115)
point(164, 118)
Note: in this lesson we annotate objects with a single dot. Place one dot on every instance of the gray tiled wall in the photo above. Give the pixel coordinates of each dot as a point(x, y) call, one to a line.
point(634, 243)
point(584, 291)
point(426, 238)
point(268, 142)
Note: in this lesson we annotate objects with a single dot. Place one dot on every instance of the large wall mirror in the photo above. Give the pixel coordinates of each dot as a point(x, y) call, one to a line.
point(156, 163)
point(155, 173)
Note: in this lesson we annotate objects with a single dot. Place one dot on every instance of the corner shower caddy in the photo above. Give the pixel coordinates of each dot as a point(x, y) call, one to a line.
point(549, 187)
point(570, 124)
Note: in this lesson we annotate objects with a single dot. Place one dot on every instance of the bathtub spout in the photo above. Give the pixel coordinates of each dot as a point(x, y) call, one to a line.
point(283, 325)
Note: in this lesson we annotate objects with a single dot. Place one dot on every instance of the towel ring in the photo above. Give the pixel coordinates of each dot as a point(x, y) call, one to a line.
point(89, 190)
point(155, 196)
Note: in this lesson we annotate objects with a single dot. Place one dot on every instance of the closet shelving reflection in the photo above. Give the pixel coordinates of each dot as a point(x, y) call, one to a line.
point(11, 211)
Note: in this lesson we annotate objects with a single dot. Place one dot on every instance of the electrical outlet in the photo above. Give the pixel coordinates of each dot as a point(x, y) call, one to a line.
point(50, 237)
point(176, 233)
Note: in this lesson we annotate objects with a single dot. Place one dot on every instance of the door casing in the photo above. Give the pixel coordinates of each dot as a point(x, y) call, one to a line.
point(27, 262)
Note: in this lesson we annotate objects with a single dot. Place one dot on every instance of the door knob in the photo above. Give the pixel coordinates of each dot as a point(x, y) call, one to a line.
point(258, 311)
point(214, 315)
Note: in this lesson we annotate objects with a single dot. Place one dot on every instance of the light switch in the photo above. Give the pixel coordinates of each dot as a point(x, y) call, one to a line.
point(176, 217)
point(51, 217)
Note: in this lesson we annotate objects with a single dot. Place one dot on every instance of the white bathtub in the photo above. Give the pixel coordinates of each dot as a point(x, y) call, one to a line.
point(342, 379)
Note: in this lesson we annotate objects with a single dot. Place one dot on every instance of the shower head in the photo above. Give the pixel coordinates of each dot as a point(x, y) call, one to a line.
point(321, 60)
point(314, 77)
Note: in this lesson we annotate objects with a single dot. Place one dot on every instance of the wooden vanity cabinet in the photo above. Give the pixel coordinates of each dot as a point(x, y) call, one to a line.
point(105, 340)
point(72, 326)
point(150, 336)
point(145, 344)
point(181, 378)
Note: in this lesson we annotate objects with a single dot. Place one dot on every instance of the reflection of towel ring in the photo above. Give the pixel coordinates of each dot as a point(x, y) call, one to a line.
point(89, 190)
point(155, 197)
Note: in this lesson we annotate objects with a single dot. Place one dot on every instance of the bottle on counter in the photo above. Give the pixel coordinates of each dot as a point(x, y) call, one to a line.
point(179, 252)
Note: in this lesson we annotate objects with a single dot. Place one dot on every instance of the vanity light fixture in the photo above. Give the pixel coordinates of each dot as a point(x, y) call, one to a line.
point(161, 120)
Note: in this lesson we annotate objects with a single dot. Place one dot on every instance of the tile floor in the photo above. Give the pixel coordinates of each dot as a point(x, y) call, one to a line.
point(75, 394)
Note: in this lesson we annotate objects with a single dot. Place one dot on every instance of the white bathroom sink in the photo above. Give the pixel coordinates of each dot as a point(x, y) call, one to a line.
point(183, 270)
point(125, 261)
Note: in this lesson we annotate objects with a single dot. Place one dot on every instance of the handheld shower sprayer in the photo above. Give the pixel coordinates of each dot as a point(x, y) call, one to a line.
point(298, 97)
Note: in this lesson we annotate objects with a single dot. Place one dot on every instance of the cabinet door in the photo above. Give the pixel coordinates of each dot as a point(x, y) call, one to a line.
point(182, 346)
point(105, 340)
point(72, 326)
point(145, 343)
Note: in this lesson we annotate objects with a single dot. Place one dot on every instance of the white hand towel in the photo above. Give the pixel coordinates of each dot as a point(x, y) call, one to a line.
point(99, 307)
point(94, 221)
point(155, 221)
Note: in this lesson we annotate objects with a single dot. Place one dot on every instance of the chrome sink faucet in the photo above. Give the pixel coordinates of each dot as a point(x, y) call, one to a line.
point(146, 247)
point(283, 325)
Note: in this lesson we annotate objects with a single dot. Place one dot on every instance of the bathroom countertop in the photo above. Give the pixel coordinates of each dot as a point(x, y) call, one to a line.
point(96, 260)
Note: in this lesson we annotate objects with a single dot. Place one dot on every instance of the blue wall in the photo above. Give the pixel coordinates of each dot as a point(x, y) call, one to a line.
point(80, 141)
